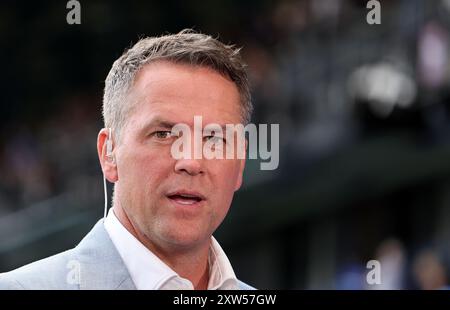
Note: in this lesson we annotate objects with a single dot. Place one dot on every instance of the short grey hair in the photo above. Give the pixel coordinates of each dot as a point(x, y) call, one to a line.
point(186, 47)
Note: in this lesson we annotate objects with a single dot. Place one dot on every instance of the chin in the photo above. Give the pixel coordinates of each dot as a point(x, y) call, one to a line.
point(186, 238)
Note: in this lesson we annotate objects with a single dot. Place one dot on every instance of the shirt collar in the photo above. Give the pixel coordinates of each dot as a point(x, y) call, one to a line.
point(148, 272)
point(221, 273)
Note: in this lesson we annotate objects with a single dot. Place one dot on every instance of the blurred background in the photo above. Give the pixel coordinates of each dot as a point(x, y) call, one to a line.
point(364, 116)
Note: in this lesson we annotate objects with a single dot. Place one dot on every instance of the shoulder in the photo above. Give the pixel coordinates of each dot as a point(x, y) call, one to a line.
point(48, 273)
point(92, 264)
point(244, 286)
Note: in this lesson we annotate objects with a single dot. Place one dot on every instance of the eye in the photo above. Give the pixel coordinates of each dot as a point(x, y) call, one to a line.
point(163, 134)
point(215, 138)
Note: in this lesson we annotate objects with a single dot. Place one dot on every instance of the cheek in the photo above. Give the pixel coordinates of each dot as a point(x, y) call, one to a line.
point(143, 169)
point(227, 174)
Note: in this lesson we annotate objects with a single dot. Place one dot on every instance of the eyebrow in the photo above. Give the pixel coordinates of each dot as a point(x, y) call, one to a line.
point(221, 126)
point(163, 123)
point(157, 122)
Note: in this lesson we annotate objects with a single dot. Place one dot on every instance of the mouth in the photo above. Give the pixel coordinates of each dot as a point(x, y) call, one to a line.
point(186, 198)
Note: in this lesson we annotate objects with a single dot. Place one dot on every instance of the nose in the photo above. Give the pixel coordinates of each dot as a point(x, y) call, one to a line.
point(190, 166)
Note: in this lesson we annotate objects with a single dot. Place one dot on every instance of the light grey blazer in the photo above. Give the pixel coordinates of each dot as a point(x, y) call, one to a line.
point(94, 264)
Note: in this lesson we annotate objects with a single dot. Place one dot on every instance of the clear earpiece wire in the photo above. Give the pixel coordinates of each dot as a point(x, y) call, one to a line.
point(106, 197)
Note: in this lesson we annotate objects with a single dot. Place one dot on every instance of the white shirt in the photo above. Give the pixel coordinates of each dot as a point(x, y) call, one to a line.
point(148, 272)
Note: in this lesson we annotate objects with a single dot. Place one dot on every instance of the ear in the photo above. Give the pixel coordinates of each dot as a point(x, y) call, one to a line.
point(108, 164)
point(241, 168)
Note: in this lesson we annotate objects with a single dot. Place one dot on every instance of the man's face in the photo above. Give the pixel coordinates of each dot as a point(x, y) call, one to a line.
point(152, 187)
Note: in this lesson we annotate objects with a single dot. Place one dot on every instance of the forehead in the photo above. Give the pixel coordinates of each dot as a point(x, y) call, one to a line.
point(180, 91)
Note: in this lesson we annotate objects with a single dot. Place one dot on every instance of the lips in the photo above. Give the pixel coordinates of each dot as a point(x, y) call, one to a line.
point(186, 198)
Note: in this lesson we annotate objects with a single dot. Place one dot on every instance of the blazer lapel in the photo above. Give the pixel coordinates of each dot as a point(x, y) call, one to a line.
point(101, 266)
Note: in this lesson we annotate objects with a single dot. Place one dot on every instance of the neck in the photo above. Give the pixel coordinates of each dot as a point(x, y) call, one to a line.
point(191, 264)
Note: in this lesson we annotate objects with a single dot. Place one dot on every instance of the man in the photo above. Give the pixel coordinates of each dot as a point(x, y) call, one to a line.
point(158, 234)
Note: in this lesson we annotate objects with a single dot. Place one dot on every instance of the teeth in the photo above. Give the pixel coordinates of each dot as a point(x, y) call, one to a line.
point(183, 202)
point(186, 199)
